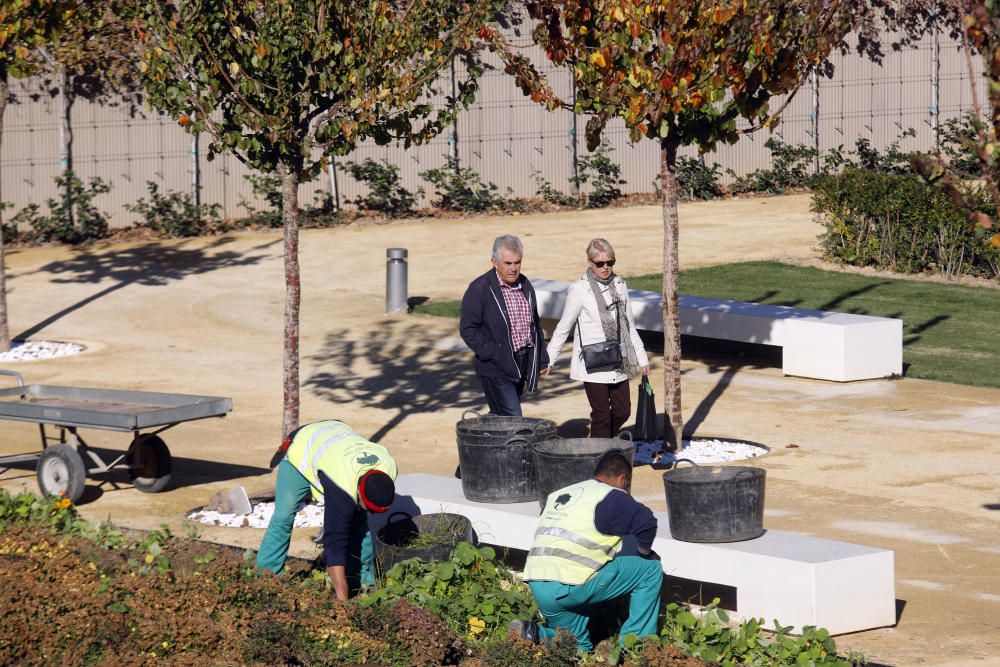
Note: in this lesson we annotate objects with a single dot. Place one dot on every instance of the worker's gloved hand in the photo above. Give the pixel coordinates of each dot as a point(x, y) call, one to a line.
point(649, 554)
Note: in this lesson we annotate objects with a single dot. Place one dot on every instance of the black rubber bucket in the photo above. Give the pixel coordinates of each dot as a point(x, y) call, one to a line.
point(393, 541)
point(495, 456)
point(715, 504)
point(560, 462)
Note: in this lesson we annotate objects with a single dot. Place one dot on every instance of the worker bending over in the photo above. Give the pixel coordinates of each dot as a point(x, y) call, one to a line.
point(354, 476)
point(572, 563)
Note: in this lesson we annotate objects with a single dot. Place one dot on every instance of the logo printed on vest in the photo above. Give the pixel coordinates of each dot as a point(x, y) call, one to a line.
point(367, 459)
point(567, 499)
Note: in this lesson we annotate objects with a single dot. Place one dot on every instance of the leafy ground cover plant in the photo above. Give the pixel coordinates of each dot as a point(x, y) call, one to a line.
point(174, 213)
point(462, 189)
point(475, 593)
point(110, 597)
point(603, 175)
point(72, 219)
point(386, 193)
point(791, 167)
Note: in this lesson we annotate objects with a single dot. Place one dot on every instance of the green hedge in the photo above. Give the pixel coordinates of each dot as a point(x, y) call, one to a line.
point(896, 222)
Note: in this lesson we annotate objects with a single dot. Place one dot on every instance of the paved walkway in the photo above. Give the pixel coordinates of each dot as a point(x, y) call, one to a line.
point(908, 465)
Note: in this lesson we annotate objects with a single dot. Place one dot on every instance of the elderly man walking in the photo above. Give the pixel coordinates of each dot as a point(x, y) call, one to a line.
point(573, 564)
point(500, 324)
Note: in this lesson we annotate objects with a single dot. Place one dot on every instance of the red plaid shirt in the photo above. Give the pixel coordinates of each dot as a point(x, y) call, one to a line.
point(520, 314)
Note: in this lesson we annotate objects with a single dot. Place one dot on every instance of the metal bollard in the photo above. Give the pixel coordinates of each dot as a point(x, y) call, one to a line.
point(395, 280)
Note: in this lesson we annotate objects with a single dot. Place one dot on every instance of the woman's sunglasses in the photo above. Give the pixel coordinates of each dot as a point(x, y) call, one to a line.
point(601, 265)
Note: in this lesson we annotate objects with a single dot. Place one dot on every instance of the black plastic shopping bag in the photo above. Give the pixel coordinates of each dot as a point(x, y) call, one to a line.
point(645, 414)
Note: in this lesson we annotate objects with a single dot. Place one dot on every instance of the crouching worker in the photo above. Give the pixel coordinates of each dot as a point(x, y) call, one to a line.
point(572, 563)
point(354, 476)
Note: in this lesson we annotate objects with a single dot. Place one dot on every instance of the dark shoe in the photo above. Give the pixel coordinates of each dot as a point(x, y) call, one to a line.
point(526, 630)
point(458, 472)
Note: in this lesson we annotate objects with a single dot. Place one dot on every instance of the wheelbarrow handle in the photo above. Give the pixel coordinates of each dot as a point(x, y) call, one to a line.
point(15, 374)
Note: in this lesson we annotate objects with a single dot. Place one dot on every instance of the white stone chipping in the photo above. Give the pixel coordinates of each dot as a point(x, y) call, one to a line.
point(710, 450)
point(309, 515)
point(34, 350)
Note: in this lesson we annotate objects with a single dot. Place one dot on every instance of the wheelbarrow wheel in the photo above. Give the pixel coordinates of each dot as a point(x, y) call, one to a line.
point(60, 471)
point(149, 463)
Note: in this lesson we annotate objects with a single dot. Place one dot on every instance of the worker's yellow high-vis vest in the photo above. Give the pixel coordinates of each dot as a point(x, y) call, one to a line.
point(343, 455)
point(568, 547)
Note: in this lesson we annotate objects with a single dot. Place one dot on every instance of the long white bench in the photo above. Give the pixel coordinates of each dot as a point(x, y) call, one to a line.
point(815, 344)
point(797, 579)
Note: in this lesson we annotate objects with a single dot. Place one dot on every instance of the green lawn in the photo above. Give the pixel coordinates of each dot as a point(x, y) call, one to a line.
point(950, 332)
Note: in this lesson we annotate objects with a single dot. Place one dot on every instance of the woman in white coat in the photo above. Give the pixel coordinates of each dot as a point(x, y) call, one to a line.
point(595, 302)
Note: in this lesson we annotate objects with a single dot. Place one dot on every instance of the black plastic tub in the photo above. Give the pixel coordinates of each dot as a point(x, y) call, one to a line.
point(560, 462)
point(494, 454)
point(715, 504)
point(392, 541)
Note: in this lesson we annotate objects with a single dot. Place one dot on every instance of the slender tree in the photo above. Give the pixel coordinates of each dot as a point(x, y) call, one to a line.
point(25, 26)
point(285, 84)
point(92, 58)
point(679, 72)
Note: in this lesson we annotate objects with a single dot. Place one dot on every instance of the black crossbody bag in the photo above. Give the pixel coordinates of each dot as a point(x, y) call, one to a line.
point(606, 355)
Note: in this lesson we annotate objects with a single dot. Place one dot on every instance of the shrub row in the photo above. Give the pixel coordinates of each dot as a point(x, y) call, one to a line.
point(897, 222)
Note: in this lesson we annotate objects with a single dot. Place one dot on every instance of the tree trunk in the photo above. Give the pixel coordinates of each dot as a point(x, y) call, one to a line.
point(66, 142)
point(293, 290)
point(673, 419)
point(4, 328)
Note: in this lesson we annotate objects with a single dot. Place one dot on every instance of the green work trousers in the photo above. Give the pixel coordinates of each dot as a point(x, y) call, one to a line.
point(568, 606)
point(291, 489)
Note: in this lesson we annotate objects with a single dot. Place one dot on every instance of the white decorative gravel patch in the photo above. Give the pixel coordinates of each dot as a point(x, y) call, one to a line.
point(309, 516)
point(33, 350)
point(700, 451)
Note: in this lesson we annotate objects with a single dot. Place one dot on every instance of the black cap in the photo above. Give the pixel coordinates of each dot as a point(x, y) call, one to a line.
point(377, 491)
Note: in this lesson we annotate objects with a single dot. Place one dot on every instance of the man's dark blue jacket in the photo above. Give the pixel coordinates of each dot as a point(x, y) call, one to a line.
point(485, 328)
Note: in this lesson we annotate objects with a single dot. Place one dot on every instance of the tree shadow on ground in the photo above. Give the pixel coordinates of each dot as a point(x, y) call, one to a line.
point(151, 264)
point(410, 368)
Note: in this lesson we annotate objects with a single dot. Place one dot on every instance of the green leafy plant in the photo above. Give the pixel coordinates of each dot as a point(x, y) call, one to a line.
point(265, 186)
point(73, 218)
point(791, 167)
point(896, 222)
point(959, 144)
point(549, 193)
point(475, 594)
point(386, 193)
point(602, 174)
point(709, 635)
point(462, 189)
point(174, 213)
point(695, 179)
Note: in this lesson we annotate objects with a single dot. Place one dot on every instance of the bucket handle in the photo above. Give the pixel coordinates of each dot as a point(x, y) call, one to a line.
point(677, 462)
point(517, 437)
point(468, 411)
point(625, 433)
point(396, 513)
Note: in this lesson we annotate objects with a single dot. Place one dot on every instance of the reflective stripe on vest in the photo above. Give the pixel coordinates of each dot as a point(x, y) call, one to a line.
point(342, 454)
point(568, 547)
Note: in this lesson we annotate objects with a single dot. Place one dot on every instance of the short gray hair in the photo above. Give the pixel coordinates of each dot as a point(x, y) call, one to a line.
point(597, 246)
point(508, 241)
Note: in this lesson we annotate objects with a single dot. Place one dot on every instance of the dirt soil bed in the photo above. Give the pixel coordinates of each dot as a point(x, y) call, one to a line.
point(907, 465)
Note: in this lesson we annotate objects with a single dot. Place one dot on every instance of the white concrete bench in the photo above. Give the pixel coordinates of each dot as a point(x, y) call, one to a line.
point(797, 579)
point(815, 343)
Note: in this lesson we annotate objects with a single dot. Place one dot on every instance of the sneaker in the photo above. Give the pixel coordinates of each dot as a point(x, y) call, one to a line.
point(527, 630)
